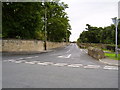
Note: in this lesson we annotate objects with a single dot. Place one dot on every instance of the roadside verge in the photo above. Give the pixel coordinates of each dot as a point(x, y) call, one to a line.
point(110, 61)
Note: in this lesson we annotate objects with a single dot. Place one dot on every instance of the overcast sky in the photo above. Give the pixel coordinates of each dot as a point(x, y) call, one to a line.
point(93, 12)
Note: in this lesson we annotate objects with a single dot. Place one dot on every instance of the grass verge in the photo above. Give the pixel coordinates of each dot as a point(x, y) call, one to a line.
point(112, 56)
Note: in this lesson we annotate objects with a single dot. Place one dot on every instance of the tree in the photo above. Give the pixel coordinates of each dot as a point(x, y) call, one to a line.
point(99, 35)
point(57, 21)
point(21, 20)
point(25, 20)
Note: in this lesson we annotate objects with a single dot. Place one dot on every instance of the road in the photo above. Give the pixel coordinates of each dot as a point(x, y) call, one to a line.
point(66, 67)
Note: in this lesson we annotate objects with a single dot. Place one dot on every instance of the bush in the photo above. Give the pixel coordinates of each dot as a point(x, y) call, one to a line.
point(110, 47)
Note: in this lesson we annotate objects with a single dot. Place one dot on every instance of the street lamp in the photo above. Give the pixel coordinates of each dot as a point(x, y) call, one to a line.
point(116, 21)
point(45, 24)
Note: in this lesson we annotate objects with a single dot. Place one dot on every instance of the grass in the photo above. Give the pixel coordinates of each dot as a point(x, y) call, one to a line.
point(112, 56)
point(108, 50)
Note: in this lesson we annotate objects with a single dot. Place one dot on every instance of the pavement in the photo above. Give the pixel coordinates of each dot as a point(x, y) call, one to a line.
point(109, 61)
point(66, 67)
point(26, 53)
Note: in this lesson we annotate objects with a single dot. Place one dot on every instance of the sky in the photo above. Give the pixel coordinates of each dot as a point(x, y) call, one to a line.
point(94, 12)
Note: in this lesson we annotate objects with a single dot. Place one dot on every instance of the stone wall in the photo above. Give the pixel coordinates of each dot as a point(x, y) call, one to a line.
point(86, 45)
point(96, 53)
point(27, 45)
point(51, 45)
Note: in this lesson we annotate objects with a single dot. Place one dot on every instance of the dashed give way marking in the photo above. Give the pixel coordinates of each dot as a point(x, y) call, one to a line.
point(74, 65)
point(111, 67)
point(92, 66)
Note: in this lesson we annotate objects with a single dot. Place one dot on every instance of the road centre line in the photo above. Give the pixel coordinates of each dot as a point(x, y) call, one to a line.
point(68, 56)
point(68, 51)
point(64, 56)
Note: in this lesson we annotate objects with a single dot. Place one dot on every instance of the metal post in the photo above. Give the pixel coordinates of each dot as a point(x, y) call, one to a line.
point(116, 49)
point(66, 36)
point(115, 21)
point(45, 21)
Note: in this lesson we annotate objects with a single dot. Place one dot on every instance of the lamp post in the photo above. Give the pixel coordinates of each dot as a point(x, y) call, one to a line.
point(116, 21)
point(45, 24)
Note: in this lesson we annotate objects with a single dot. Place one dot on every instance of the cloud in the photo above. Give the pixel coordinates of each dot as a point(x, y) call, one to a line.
point(93, 12)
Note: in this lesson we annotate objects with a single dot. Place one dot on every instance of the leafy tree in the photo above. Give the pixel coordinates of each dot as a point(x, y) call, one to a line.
point(57, 21)
point(26, 20)
point(21, 20)
point(104, 35)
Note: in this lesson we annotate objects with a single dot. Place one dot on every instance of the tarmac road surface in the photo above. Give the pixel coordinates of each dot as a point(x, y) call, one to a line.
point(66, 67)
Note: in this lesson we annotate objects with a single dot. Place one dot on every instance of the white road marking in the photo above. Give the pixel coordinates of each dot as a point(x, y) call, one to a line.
point(107, 62)
point(68, 51)
point(20, 58)
point(30, 62)
point(83, 51)
point(29, 57)
point(68, 56)
point(92, 66)
point(76, 45)
point(60, 64)
point(86, 51)
point(36, 56)
point(51, 63)
point(36, 62)
point(42, 64)
point(11, 60)
point(23, 61)
point(18, 61)
point(78, 64)
point(5, 60)
point(60, 56)
point(75, 65)
point(111, 67)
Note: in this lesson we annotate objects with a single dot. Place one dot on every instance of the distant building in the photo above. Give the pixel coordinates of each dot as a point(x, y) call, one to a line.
point(119, 9)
